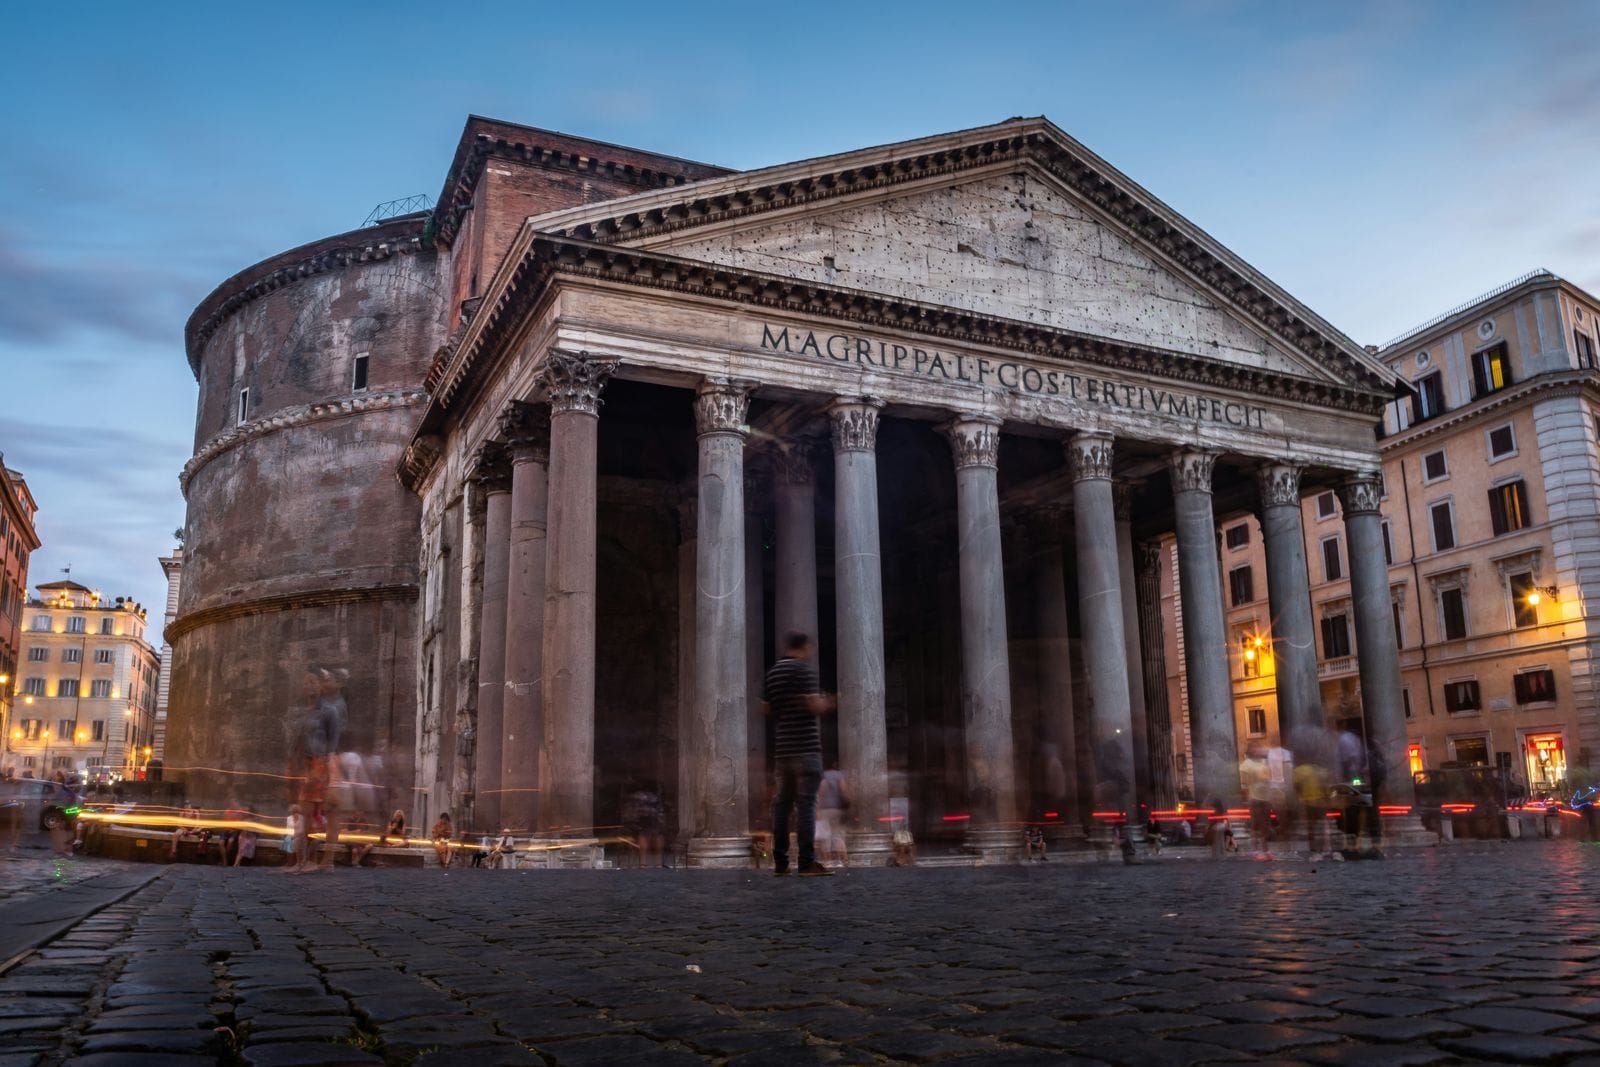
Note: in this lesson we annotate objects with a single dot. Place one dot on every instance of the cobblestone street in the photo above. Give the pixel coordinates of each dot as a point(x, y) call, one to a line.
point(1480, 952)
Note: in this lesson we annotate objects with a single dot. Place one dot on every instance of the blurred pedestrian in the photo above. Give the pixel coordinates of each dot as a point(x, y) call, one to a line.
point(795, 702)
point(188, 827)
point(833, 806)
point(1254, 778)
point(441, 834)
point(644, 822)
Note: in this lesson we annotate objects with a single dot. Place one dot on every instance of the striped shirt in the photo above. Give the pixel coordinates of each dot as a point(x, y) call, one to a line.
point(794, 725)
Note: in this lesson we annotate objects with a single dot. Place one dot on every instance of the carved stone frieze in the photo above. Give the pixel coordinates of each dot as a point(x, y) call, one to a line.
point(974, 441)
point(721, 407)
point(1279, 485)
point(419, 458)
point(573, 381)
point(526, 430)
point(855, 423)
point(1361, 493)
point(1191, 470)
point(1090, 456)
point(794, 462)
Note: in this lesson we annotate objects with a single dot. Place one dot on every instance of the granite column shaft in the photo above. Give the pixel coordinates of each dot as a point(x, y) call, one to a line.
point(1294, 636)
point(527, 429)
point(1055, 672)
point(494, 477)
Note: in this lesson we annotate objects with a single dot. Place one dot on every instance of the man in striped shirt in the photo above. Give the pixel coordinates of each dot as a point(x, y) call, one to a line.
point(795, 702)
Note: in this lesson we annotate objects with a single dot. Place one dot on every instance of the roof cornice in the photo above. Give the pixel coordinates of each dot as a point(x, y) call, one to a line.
point(1430, 332)
point(1037, 141)
point(1559, 383)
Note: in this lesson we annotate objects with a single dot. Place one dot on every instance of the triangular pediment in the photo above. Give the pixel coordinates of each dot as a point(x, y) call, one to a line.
point(1012, 246)
point(1015, 221)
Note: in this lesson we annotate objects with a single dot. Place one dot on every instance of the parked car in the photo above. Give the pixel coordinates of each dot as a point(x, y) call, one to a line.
point(44, 803)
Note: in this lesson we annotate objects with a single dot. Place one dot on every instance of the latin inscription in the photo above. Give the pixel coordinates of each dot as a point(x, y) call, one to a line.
point(1011, 375)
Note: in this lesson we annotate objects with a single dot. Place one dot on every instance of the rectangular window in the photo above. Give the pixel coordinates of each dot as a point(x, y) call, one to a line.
point(1434, 466)
point(1388, 545)
point(1502, 442)
point(1326, 505)
point(1508, 507)
point(33, 687)
point(67, 687)
point(358, 377)
point(64, 730)
point(31, 728)
point(60, 763)
point(244, 405)
point(1535, 687)
point(1491, 371)
point(1428, 400)
point(1474, 750)
point(1524, 609)
point(1257, 721)
point(1241, 585)
point(1461, 696)
point(103, 655)
point(38, 654)
point(105, 626)
point(41, 623)
point(72, 655)
point(93, 761)
point(100, 687)
point(1237, 536)
point(1335, 637)
point(1444, 526)
point(1399, 634)
point(99, 729)
point(1405, 702)
point(1585, 349)
point(1453, 606)
point(1332, 564)
point(76, 624)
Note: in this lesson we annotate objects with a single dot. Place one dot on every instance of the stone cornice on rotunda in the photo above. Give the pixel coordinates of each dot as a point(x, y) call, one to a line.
point(398, 236)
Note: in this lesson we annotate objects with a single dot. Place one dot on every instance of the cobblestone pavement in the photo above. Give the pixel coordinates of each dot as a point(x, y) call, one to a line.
point(1478, 952)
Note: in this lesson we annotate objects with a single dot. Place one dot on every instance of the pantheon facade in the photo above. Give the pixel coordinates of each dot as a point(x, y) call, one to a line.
point(551, 469)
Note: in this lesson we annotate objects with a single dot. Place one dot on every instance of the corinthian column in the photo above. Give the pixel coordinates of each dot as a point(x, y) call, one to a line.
point(1055, 670)
point(1294, 648)
point(526, 428)
point(985, 663)
point(572, 384)
point(1122, 493)
point(1153, 646)
point(1205, 636)
point(794, 501)
point(492, 472)
point(858, 589)
point(1376, 654)
point(719, 780)
point(1105, 650)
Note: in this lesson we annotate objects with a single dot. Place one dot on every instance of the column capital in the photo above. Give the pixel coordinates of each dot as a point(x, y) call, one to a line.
point(792, 461)
point(974, 440)
point(721, 406)
point(1150, 555)
point(1089, 456)
point(526, 429)
point(854, 420)
point(1122, 491)
point(491, 468)
point(1191, 470)
point(1279, 484)
point(573, 381)
point(1360, 493)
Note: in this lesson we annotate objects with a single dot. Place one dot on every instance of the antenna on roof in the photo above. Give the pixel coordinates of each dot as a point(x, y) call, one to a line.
point(404, 206)
point(67, 570)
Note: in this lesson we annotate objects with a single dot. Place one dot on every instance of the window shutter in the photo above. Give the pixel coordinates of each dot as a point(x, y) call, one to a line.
point(1497, 510)
point(1480, 377)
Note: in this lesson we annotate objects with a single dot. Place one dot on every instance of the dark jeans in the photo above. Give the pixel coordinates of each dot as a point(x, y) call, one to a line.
point(798, 779)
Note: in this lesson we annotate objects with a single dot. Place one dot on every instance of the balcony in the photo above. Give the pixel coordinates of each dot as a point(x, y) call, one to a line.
point(1337, 667)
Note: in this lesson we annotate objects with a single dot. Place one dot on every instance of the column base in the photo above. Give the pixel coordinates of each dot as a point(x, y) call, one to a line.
point(997, 845)
point(564, 853)
point(1406, 831)
point(719, 852)
point(871, 846)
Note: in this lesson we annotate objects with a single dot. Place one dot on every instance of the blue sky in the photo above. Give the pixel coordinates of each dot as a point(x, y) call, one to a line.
point(1382, 161)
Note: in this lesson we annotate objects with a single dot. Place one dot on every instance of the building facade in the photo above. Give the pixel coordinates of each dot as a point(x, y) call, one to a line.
point(88, 686)
point(17, 543)
point(1491, 532)
point(172, 567)
point(939, 403)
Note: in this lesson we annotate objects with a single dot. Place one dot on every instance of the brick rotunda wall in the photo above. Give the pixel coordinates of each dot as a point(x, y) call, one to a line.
point(300, 543)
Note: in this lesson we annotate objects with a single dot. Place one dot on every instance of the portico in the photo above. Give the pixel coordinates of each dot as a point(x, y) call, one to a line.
point(980, 374)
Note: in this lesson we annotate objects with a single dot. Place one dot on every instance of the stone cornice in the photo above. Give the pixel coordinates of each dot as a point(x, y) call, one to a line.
point(370, 245)
point(316, 598)
point(288, 418)
point(516, 291)
point(1556, 383)
point(1034, 141)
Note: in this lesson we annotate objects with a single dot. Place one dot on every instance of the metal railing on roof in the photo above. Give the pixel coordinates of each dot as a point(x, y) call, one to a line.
point(1459, 308)
point(404, 206)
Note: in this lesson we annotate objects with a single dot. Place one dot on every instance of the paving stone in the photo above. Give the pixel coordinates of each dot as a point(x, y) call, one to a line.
point(152, 1041)
point(1366, 1005)
point(613, 1048)
point(140, 1059)
point(1520, 1048)
point(1378, 1056)
point(1258, 1038)
point(500, 1056)
point(1513, 1020)
point(922, 1046)
point(314, 1054)
point(1262, 1011)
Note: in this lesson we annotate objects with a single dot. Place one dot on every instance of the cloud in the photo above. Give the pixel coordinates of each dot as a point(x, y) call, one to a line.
point(43, 301)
